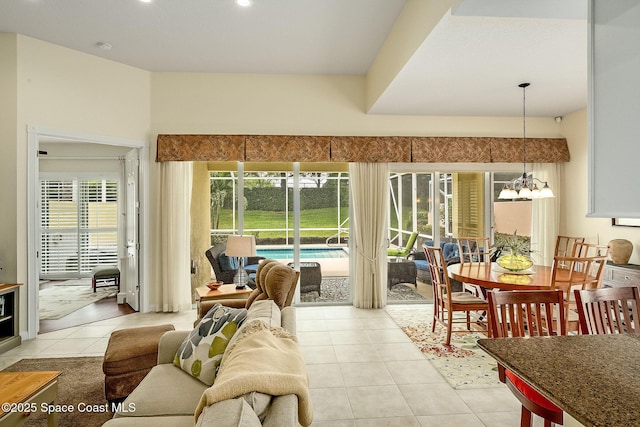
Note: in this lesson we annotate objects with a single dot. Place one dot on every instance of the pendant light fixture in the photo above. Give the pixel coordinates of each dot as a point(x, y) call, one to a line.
point(525, 187)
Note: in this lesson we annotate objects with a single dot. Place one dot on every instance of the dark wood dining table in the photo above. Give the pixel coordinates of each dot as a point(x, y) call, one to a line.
point(593, 378)
point(491, 275)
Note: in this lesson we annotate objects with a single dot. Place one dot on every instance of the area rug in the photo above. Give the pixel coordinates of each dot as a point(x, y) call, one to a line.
point(81, 381)
point(336, 289)
point(59, 300)
point(463, 364)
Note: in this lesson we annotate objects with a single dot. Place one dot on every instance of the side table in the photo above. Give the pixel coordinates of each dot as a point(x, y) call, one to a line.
point(27, 390)
point(202, 293)
point(401, 272)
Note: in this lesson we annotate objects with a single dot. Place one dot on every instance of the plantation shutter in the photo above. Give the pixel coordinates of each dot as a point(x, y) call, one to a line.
point(468, 204)
point(79, 226)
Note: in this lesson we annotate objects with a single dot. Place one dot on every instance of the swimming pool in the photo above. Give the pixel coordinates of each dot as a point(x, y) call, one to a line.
point(305, 253)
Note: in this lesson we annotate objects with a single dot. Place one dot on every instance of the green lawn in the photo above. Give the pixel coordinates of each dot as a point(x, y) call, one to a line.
point(309, 218)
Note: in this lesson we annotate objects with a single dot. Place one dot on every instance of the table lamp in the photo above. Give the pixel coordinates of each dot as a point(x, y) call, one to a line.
point(241, 247)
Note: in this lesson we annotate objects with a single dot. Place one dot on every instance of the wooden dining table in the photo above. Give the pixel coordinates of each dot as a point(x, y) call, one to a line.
point(593, 378)
point(491, 275)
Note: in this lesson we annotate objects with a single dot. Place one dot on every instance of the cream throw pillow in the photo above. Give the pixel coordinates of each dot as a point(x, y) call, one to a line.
point(201, 352)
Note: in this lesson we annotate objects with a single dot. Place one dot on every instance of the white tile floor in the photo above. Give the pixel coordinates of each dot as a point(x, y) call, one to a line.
point(363, 370)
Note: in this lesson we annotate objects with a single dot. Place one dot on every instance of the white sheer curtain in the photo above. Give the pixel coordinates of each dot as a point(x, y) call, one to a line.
point(173, 276)
point(545, 219)
point(370, 195)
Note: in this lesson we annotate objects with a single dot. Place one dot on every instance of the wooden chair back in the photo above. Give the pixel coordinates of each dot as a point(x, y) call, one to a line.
point(575, 272)
point(588, 250)
point(474, 249)
point(565, 245)
point(438, 270)
point(526, 313)
point(608, 310)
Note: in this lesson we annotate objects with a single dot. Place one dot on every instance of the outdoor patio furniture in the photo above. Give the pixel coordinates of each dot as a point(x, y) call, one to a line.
point(406, 251)
point(310, 276)
point(225, 267)
point(401, 272)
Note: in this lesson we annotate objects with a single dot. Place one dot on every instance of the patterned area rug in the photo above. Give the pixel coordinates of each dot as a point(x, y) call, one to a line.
point(59, 300)
point(336, 289)
point(463, 364)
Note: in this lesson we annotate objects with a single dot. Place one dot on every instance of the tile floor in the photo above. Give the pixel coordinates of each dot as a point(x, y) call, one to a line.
point(363, 370)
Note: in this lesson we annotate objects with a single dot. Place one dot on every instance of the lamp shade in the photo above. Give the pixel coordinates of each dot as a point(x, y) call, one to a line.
point(241, 246)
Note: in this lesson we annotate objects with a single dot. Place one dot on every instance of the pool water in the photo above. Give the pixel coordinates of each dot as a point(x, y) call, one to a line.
point(305, 253)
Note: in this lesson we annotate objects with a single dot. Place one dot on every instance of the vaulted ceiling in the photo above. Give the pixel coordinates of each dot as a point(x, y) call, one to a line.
point(455, 57)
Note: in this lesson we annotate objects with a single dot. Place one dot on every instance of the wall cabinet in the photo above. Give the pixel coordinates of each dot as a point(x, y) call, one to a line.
point(9, 333)
point(614, 107)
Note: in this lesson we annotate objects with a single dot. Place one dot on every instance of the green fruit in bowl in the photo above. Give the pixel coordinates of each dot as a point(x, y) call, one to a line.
point(514, 262)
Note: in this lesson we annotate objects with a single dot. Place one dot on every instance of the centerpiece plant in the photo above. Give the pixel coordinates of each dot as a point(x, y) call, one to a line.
point(513, 251)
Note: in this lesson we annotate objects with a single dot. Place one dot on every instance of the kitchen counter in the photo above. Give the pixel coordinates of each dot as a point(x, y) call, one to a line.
point(593, 378)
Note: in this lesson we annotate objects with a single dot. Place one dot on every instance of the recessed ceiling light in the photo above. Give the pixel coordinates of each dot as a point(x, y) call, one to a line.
point(146, 1)
point(104, 45)
point(244, 3)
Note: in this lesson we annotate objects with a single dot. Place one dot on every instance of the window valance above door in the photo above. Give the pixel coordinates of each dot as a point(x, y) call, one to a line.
point(365, 149)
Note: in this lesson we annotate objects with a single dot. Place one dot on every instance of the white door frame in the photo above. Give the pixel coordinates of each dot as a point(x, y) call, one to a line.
point(34, 136)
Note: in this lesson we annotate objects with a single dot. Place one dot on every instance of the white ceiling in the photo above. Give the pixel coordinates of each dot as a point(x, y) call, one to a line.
point(470, 64)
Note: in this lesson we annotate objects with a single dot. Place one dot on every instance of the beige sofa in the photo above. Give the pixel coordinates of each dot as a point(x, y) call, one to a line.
point(169, 396)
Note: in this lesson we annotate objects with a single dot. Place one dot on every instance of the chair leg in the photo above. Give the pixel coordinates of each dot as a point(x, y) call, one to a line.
point(525, 417)
point(93, 283)
point(449, 327)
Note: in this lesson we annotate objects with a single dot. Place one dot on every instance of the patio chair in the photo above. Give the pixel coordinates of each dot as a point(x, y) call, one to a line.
point(225, 267)
point(522, 314)
point(406, 251)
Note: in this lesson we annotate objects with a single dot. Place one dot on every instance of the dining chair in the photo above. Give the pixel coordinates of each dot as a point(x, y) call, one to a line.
point(446, 302)
point(474, 249)
point(608, 310)
point(582, 249)
point(527, 314)
point(565, 244)
point(570, 273)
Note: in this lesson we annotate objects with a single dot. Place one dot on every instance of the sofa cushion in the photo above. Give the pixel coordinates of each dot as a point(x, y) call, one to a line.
point(156, 394)
point(201, 352)
point(229, 413)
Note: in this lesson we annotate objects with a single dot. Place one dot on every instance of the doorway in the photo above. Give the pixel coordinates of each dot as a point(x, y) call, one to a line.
point(91, 178)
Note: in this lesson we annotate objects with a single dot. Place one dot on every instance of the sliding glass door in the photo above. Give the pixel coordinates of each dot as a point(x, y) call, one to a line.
point(78, 226)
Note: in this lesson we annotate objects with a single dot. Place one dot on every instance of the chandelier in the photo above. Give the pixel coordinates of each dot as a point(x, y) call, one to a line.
point(525, 186)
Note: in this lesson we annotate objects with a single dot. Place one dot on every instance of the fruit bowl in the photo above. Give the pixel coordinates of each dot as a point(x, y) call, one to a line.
point(515, 262)
point(214, 285)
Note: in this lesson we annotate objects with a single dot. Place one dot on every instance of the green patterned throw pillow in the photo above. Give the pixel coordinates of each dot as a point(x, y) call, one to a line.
point(201, 352)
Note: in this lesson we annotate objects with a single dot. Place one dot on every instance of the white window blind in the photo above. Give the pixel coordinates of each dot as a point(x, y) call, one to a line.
point(79, 226)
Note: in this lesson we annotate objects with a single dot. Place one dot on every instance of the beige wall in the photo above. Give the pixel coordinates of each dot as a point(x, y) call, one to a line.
point(574, 206)
point(63, 90)
point(8, 159)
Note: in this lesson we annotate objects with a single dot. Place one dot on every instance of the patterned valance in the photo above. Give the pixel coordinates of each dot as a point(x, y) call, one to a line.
point(366, 149)
point(450, 150)
point(370, 149)
point(287, 148)
point(200, 148)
